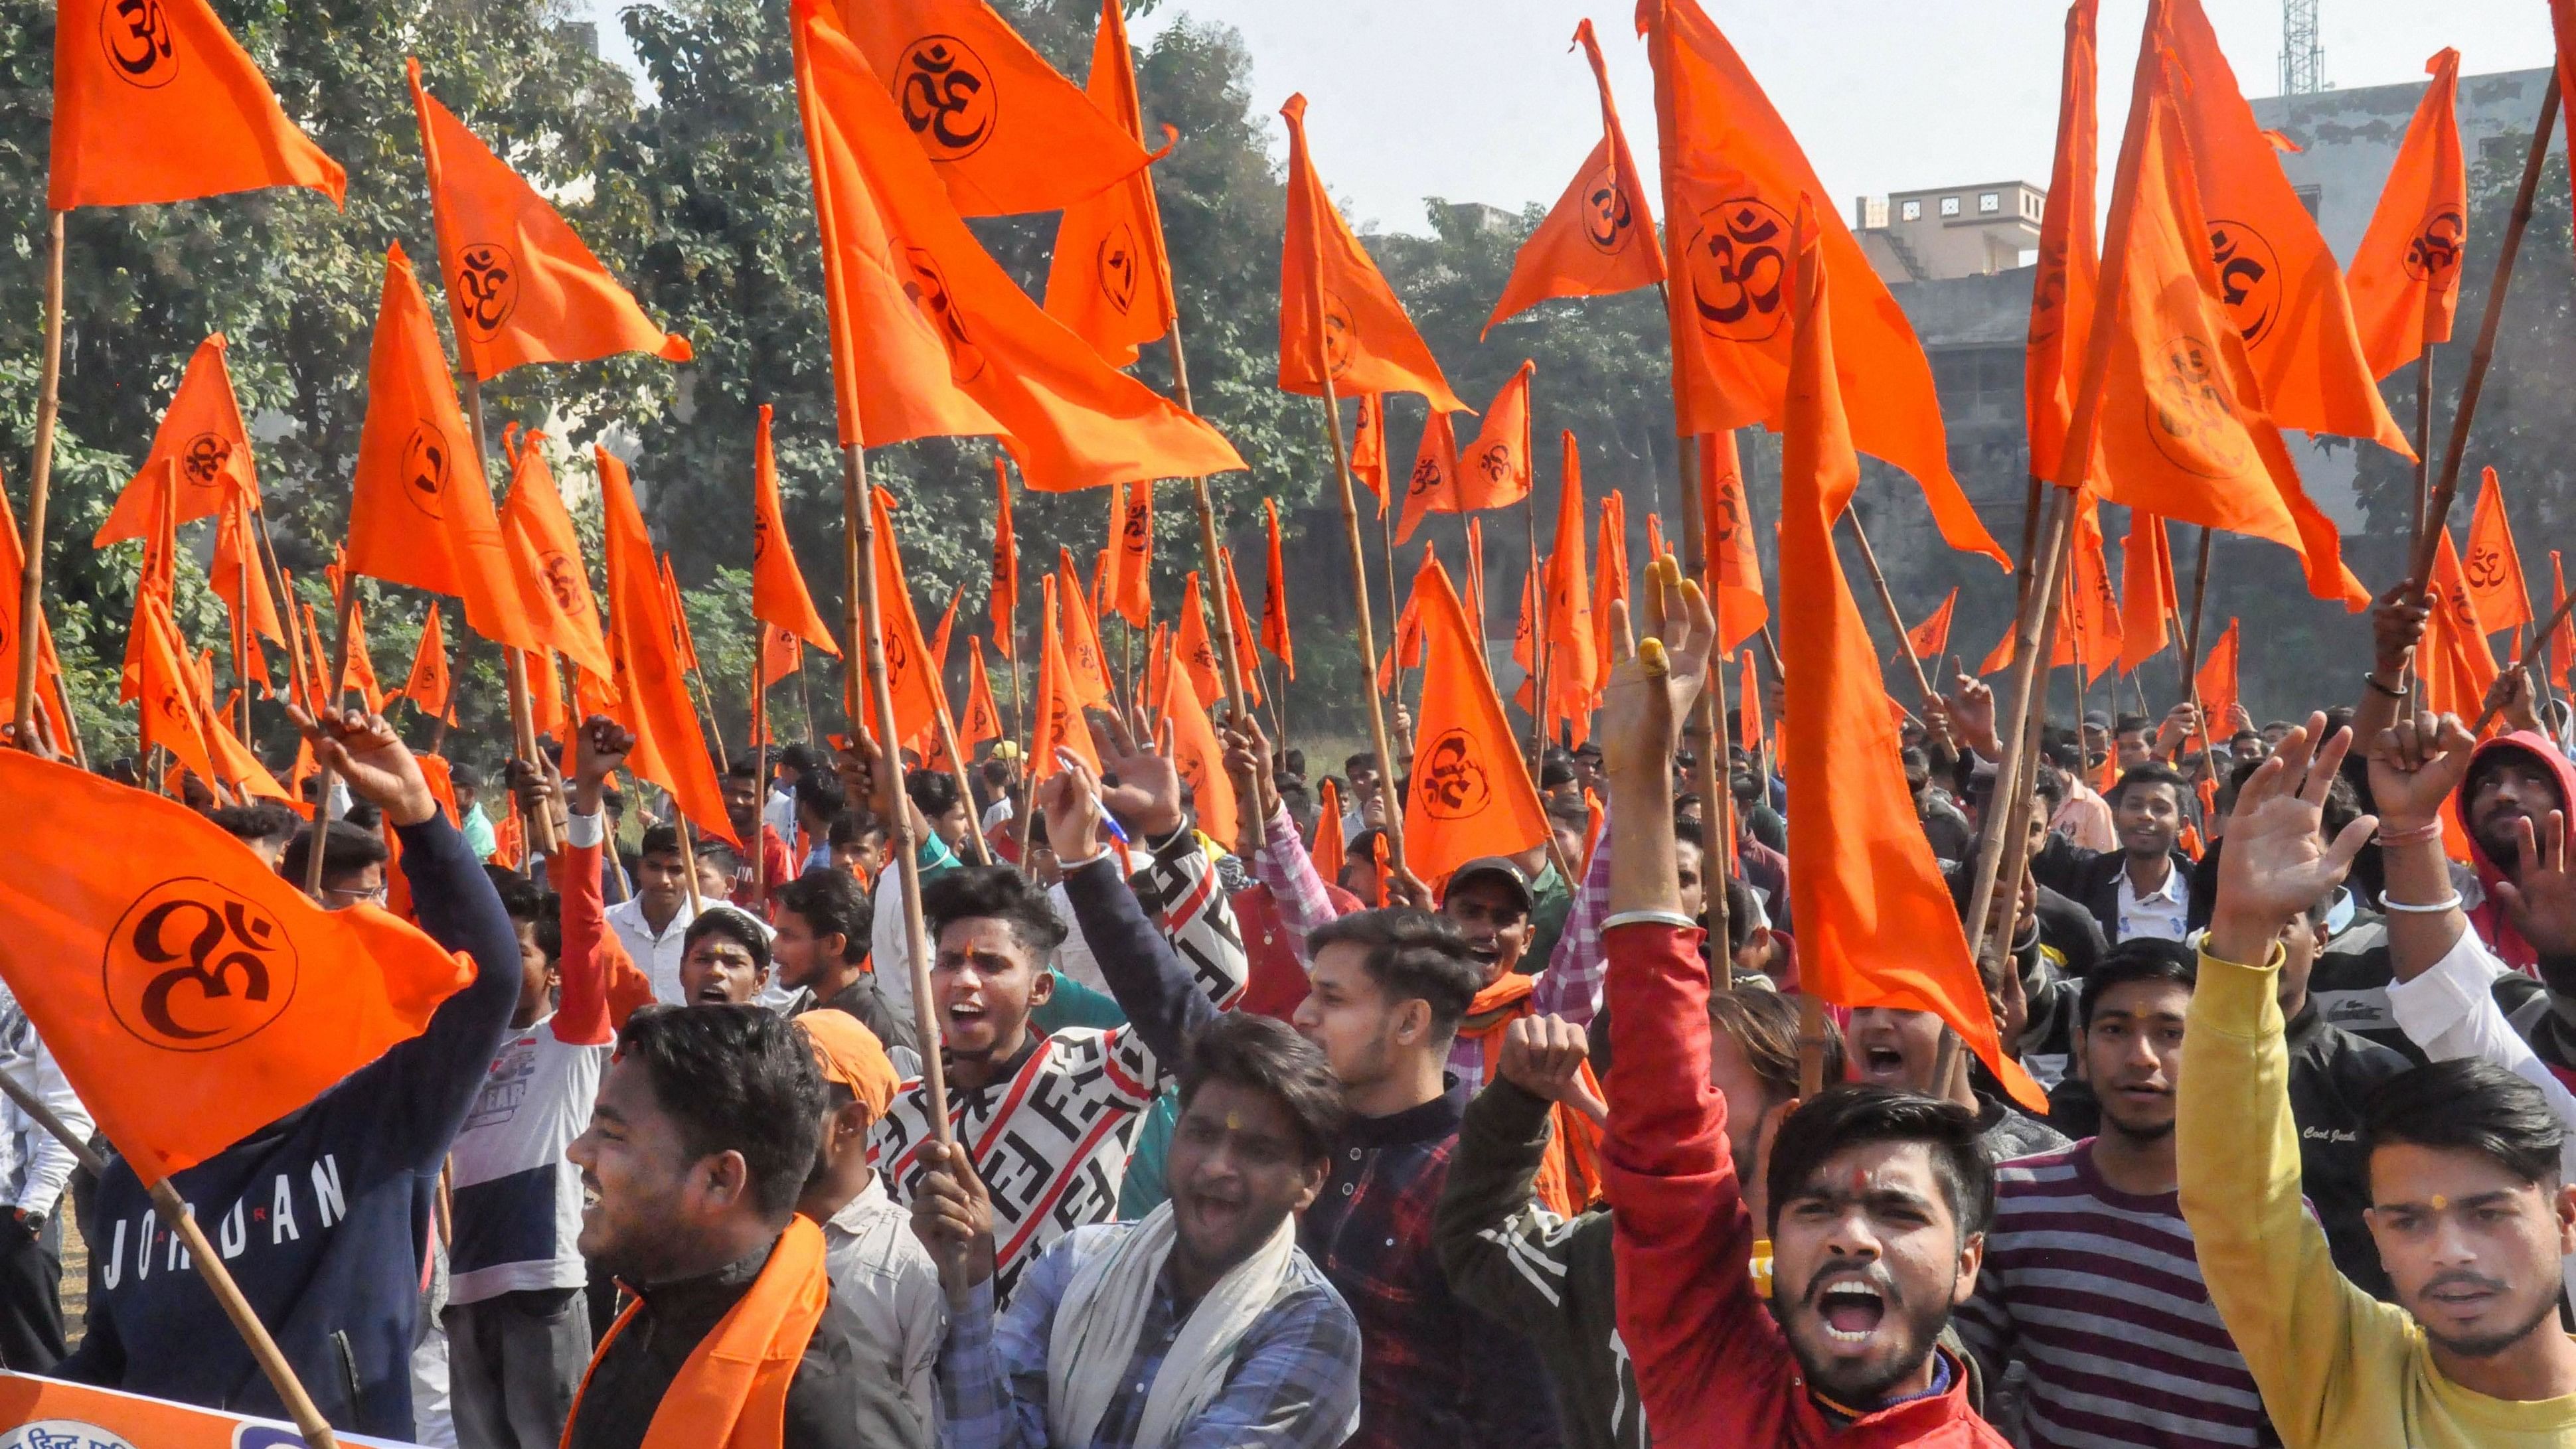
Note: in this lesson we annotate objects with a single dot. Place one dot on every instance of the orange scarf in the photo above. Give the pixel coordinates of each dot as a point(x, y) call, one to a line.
point(732, 1392)
point(1569, 1177)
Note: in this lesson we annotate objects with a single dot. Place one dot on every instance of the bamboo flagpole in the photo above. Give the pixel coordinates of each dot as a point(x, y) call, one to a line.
point(539, 824)
point(327, 695)
point(40, 477)
point(2031, 628)
point(1359, 565)
point(1887, 601)
point(865, 626)
point(1210, 549)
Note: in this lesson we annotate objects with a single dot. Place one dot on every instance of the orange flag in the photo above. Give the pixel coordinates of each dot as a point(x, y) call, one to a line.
point(1059, 723)
point(1475, 600)
point(203, 436)
point(428, 686)
point(912, 673)
point(1131, 568)
point(2464, 629)
point(317, 666)
point(2493, 567)
point(1368, 446)
point(1363, 339)
point(1470, 794)
point(1274, 598)
point(1931, 638)
point(1495, 470)
point(1006, 132)
point(781, 654)
point(2147, 593)
point(157, 102)
point(1735, 566)
point(930, 336)
point(49, 668)
point(1328, 849)
point(1876, 926)
point(982, 720)
point(1404, 651)
point(235, 575)
point(1199, 759)
point(1087, 666)
point(1609, 572)
point(2215, 681)
point(2405, 275)
point(175, 713)
point(1239, 630)
point(1655, 546)
point(1433, 486)
point(2089, 637)
point(2070, 254)
point(422, 512)
point(520, 286)
point(778, 593)
point(179, 1062)
point(676, 606)
point(1005, 601)
point(2562, 637)
point(1196, 650)
point(548, 710)
point(1748, 703)
point(2283, 291)
point(1733, 174)
point(2176, 417)
point(1108, 279)
point(545, 553)
point(653, 695)
point(1573, 671)
point(358, 671)
point(1599, 238)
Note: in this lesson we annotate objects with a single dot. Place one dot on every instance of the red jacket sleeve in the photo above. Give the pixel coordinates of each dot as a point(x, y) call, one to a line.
point(581, 1016)
point(1711, 1365)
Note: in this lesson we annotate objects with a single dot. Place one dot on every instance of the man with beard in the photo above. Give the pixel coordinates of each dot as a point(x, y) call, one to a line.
point(2468, 1207)
point(2089, 1253)
point(1204, 1323)
point(1878, 1200)
point(2513, 785)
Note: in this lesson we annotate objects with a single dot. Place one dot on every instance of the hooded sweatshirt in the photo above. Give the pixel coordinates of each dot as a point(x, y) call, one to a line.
point(2488, 917)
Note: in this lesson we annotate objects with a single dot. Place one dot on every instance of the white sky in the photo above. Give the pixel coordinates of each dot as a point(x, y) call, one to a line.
point(1482, 100)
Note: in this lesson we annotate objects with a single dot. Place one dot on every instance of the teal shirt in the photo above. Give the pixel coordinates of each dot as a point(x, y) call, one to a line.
point(1145, 1187)
point(1074, 1004)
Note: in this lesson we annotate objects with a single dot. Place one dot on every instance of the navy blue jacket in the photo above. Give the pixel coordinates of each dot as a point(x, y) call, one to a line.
point(323, 1217)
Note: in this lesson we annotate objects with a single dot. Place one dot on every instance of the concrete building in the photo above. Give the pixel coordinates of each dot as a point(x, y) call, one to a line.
point(1954, 231)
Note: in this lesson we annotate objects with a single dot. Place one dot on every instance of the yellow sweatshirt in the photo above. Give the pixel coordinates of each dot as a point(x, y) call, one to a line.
point(2338, 1368)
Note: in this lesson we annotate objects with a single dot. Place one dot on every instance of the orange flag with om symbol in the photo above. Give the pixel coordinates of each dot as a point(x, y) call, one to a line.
point(2405, 275)
point(2493, 566)
point(204, 436)
point(2070, 254)
point(1363, 339)
point(653, 694)
point(1470, 794)
point(1734, 564)
point(1495, 470)
point(1196, 648)
point(1108, 278)
point(778, 593)
point(1599, 238)
point(546, 554)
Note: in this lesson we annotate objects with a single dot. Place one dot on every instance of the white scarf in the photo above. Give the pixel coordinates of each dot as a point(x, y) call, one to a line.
point(1103, 1311)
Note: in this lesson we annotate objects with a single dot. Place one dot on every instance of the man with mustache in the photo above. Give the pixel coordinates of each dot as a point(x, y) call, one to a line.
point(2468, 1206)
point(2090, 1255)
point(1878, 1202)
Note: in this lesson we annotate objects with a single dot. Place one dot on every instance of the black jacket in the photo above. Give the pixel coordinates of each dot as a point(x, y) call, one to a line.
point(2332, 1071)
point(2091, 878)
point(831, 1397)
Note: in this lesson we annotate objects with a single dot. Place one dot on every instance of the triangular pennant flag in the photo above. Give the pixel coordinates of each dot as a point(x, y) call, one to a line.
point(675, 606)
point(1274, 597)
point(1433, 485)
point(428, 685)
point(1748, 703)
point(358, 671)
point(2070, 257)
point(1200, 760)
point(2215, 681)
point(1239, 629)
point(1876, 924)
point(2464, 630)
point(1609, 571)
point(235, 575)
point(912, 672)
point(1006, 131)
point(778, 593)
point(203, 436)
point(2405, 275)
point(1108, 279)
point(2089, 636)
point(2562, 635)
point(1087, 667)
point(1495, 470)
point(1734, 564)
point(49, 668)
point(545, 555)
point(1132, 563)
point(422, 512)
point(157, 102)
point(983, 719)
point(1733, 175)
point(652, 689)
point(1328, 849)
point(929, 335)
point(1059, 723)
point(1599, 238)
point(1368, 446)
point(1931, 638)
point(174, 712)
point(1404, 651)
point(2147, 593)
point(1470, 795)
point(521, 287)
point(2493, 566)
point(1195, 648)
point(1571, 668)
point(781, 654)
point(1363, 340)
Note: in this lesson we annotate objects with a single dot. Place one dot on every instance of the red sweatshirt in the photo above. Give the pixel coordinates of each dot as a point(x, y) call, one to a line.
point(1712, 1365)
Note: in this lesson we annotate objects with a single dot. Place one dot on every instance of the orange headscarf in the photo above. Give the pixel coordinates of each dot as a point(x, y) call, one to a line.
point(1569, 1179)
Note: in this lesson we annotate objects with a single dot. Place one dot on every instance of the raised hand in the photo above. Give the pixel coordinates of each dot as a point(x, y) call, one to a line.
point(952, 1214)
point(1247, 762)
point(1544, 1056)
point(2397, 620)
point(371, 760)
point(2511, 698)
point(2415, 766)
point(2276, 863)
point(1971, 708)
point(1654, 683)
point(2540, 900)
point(2180, 723)
point(1070, 801)
point(1147, 797)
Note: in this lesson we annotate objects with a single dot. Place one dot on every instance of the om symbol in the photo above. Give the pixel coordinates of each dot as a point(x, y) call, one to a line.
point(1608, 219)
point(1341, 333)
point(424, 470)
point(947, 95)
point(927, 286)
point(2485, 568)
point(1118, 267)
point(2190, 415)
point(203, 460)
point(2434, 254)
point(195, 966)
point(564, 582)
point(136, 36)
point(1454, 786)
point(1739, 270)
point(1426, 471)
point(1496, 462)
point(487, 288)
point(2249, 280)
point(1135, 531)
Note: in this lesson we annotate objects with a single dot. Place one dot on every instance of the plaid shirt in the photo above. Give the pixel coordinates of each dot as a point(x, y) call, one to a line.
point(1295, 1383)
point(1437, 1372)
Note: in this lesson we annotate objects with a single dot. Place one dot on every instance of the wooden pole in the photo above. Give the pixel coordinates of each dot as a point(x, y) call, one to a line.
point(2191, 644)
point(1887, 601)
point(328, 695)
point(1538, 636)
point(2030, 628)
point(760, 788)
point(1213, 568)
point(2437, 510)
point(866, 630)
point(1359, 568)
point(688, 855)
point(539, 825)
point(40, 477)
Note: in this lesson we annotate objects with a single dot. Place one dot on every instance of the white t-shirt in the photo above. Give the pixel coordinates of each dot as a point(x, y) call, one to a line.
point(517, 1199)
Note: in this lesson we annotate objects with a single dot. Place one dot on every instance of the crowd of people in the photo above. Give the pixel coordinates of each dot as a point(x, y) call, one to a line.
point(1237, 1154)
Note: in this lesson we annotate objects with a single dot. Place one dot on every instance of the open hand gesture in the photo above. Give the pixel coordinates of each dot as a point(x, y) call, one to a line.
point(2540, 900)
point(1147, 797)
point(2277, 863)
point(1654, 683)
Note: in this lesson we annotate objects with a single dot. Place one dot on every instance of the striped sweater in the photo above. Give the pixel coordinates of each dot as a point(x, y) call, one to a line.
point(2097, 1293)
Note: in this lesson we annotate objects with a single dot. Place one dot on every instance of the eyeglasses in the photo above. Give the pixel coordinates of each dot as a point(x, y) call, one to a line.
point(340, 898)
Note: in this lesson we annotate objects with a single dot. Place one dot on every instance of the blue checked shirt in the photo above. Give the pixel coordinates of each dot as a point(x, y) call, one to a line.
point(1295, 1385)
